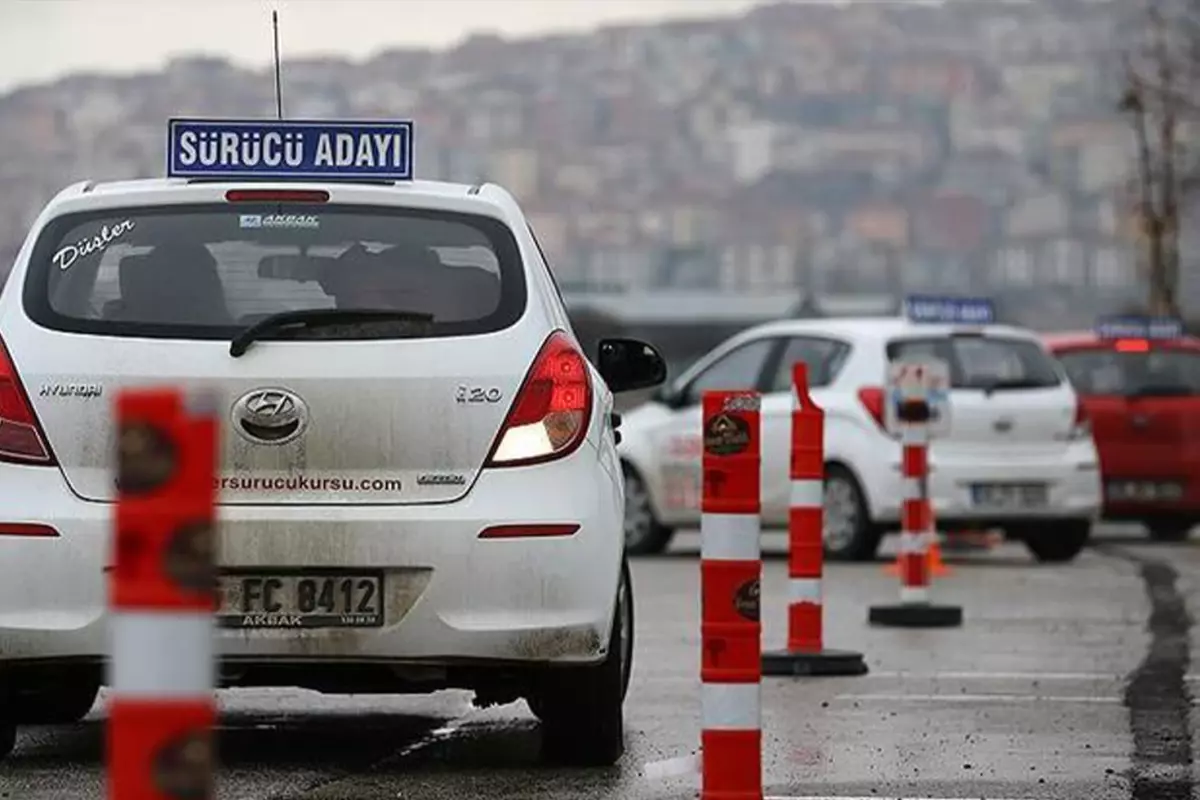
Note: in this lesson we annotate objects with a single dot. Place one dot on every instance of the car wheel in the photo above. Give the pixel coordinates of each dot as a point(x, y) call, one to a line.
point(8, 738)
point(581, 709)
point(1058, 542)
point(644, 534)
point(848, 532)
point(63, 705)
point(1172, 531)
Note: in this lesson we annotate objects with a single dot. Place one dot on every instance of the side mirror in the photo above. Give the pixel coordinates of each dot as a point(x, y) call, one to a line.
point(628, 364)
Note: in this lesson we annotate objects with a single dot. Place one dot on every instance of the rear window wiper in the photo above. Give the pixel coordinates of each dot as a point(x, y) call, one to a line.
point(994, 386)
point(1161, 390)
point(314, 317)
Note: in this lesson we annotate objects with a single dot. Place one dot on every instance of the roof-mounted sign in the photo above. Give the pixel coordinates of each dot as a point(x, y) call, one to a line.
point(290, 149)
point(1139, 327)
point(949, 310)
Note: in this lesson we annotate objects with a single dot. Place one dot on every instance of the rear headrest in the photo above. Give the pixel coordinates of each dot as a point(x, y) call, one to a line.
point(472, 292)
point(173, 283)
point(401, 260)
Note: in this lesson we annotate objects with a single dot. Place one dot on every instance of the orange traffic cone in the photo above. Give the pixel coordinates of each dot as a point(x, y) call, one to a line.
point(933, 554)
point(936, 565)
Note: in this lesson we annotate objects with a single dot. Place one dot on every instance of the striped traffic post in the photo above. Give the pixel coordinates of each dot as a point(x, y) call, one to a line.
point(730, 571)
point(915, 610)
point(805, 653)
point(162, 595)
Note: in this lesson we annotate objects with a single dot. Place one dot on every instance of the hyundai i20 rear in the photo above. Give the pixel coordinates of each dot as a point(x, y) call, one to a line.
point(418, 483)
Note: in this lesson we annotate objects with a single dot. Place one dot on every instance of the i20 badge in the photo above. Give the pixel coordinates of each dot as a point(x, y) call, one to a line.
point(478, 394)
point(270, 416)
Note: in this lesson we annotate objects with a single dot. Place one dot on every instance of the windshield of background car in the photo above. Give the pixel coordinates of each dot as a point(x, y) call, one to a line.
point(1106, 371)
point(984, 362)
point(208, 271)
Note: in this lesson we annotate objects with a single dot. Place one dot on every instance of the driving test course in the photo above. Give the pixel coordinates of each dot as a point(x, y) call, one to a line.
point(309, 489)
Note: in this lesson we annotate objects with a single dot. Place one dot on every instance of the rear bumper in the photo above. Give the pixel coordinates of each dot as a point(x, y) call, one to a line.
point(1185, 507)
point(450, 597)
point(1072, 478)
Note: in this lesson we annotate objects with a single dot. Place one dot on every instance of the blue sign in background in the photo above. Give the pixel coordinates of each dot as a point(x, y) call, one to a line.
point(952, 310)
point(297, 149)
point(1135, 327)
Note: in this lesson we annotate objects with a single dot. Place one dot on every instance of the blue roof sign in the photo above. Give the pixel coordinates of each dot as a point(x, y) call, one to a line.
point(309, 150)
point(1134, 327)
point(950, 310)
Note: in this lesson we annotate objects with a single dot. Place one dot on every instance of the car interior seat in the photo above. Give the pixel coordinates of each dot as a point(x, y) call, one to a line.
point(174, 283)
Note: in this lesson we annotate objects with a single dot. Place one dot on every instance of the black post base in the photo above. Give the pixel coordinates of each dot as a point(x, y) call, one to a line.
point(813, 664)
point(916, 615)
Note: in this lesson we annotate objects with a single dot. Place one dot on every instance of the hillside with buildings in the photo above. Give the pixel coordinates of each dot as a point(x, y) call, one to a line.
point(791, 151)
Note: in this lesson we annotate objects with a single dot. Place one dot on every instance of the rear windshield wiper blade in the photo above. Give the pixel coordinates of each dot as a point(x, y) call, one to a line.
point(313, 317)
point(1162, 390)
point(988, 388)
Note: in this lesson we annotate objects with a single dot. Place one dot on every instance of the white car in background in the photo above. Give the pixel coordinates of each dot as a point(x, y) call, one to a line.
point(1019, 457)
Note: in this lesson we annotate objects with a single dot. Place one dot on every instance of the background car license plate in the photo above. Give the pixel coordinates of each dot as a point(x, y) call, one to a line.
point(301, 600)
point(1144, 490)
point(1009, 495)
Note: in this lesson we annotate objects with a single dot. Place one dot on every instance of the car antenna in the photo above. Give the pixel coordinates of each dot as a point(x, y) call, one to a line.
point(278, 86)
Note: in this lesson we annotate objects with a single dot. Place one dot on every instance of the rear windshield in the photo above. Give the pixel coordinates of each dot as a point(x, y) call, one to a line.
point(1104, 371)
point(984, 362)
point(208, 271)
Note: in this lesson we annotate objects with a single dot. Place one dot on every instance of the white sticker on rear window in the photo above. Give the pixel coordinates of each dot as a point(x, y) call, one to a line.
point(278, 221)
point(68, 255)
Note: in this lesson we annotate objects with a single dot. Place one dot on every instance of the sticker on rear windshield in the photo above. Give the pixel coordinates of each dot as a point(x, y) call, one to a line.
point(278, 221)
point(68, 255)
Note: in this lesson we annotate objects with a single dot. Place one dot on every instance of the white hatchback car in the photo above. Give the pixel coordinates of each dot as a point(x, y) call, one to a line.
point(443, 447)
point(1020, 455)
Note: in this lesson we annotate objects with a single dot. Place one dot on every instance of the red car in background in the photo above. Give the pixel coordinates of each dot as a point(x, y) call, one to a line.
point(1139, 383)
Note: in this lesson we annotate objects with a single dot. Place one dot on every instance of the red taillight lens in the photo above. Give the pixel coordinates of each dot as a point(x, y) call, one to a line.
point(1131, 346)
point(549, 418)
point(21, 437)
point(277, 196)
point(27, 530)
point(871, 398)
point(527, 531)
point(1081, 427)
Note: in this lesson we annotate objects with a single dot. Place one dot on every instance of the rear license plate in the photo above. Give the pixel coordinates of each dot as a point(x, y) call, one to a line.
point(1144, 491)
point(1010, 495)
point(301, 600)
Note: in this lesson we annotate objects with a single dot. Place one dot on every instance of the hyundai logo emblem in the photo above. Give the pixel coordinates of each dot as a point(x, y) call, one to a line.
point(270, 416)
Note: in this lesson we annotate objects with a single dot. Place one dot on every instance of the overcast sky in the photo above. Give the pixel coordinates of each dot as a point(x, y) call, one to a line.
point(43, 39)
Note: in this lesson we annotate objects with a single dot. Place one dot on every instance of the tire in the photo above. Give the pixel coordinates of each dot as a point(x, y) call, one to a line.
point(8, 738)
point(644, 534)
point(581, 709)
point(1056, 543)
point(64, 705)
point(849, 534)
point(1170, 531)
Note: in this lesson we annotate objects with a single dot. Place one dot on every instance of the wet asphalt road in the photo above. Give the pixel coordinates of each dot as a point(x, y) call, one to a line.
point(1064, 682)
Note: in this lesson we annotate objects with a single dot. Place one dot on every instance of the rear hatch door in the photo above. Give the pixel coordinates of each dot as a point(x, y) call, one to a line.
point(1008, 400)
point(1143, 399)
point(392, 410)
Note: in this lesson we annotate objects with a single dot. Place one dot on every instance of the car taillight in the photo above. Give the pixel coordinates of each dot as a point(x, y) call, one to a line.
point(871, 398)
point(549, 418)
point(1081, 426)
point(21, 437)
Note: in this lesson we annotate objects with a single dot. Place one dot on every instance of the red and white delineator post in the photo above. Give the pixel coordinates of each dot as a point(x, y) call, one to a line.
point(805, 653)
point(915, 609)
point(162, 596)
point(730, 574)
